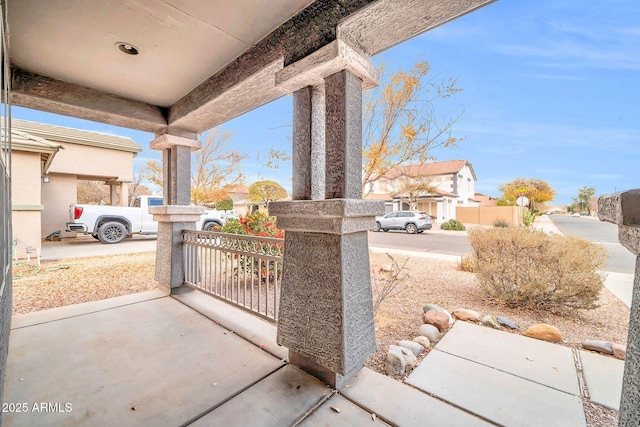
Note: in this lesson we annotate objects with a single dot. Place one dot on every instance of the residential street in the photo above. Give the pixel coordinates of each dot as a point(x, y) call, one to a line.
point(603, 233)
point(449, 243)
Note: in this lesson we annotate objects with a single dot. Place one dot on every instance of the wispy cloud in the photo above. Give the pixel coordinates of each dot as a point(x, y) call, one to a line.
point(555, 77)
point(607, 176)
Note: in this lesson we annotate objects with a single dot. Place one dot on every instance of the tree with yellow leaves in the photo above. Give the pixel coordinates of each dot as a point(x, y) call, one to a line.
point(534, 189)
point(215, 168)
point(400, 122)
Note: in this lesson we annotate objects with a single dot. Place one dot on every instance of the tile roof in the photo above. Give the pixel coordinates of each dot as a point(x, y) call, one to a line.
point(75, 136)
point(429, 169)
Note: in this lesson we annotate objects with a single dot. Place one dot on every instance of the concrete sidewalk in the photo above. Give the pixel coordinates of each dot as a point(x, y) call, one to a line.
point(87, 246)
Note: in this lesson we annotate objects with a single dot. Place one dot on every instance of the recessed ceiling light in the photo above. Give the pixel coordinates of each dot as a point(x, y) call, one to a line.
point(127, 48)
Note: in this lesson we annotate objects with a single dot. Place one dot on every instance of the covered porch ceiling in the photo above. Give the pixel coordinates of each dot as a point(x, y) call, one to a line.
point(189, 65)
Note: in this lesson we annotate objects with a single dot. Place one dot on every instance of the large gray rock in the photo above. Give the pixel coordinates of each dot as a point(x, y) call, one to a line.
point(503, 321)
point(413, 346)
point(429, 331)
point(395, 361)
point(599, 346)
point(400, 360)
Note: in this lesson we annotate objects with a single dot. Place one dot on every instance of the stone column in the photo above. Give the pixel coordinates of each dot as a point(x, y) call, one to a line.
point(326, 309)
point(623, 209)
point(176, 214)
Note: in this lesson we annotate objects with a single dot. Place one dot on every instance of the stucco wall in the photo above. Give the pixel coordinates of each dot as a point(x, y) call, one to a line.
point(93, 161)
point(466, 185)
point(57, 195)
point(487, 215)
point(25, 179)
point(26, 204)
point(26, 231)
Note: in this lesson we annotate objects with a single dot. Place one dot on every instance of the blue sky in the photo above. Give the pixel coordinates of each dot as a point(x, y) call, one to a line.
point(551, 90)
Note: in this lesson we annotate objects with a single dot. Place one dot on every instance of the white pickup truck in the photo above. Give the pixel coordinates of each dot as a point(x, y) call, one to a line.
point(112, 224)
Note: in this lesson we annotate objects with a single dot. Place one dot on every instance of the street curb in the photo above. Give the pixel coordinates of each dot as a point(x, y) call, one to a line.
point(416, 254)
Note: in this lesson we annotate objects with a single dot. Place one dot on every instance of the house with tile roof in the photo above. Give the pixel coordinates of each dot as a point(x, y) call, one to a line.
point(47, 162)
point(437, 188)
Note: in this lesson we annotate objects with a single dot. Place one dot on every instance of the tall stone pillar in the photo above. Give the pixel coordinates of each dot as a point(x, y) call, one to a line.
point(176, 214)
point(326, 309)
point(623, 209)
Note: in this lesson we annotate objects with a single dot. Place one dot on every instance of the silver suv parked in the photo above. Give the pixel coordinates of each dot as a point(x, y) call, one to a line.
point(412, 221)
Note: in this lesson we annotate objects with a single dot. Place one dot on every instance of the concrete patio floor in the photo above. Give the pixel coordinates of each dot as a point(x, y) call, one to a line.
point(188, 359)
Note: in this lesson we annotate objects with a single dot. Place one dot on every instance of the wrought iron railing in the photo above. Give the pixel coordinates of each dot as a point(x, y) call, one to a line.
point(242, 270)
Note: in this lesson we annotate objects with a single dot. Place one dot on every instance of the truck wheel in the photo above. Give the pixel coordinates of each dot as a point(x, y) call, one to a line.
point(212, 226)
point(112, 232)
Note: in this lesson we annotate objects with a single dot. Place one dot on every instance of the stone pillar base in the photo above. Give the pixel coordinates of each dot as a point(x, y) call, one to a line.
point(169, 254)
point(326, 304)
point(623, 209)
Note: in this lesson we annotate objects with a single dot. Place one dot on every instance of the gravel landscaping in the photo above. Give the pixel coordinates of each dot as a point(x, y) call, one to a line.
point(398, 317)
point(73, 281)
point(440, 282)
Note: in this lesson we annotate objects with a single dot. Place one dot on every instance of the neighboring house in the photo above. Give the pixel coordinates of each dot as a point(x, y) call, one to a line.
point(443, 186)
point(47, 162)
point(240, 195)
point(486, 201)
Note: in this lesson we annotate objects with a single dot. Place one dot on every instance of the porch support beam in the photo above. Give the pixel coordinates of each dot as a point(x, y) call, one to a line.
point(326, 307)
point(623, 209)
point(176, 214)
point(31, 90)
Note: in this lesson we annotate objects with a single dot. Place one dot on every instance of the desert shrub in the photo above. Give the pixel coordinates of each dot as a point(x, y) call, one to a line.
point(500, 223)
point(453, 224)
point(468, 264)
point(225, 204)
point(387, 284)
point(255, 224)
point(523, 267)
point(527, 217)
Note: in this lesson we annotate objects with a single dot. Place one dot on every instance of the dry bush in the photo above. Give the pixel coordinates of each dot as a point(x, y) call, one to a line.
point(522, 267)
point(468, 264)
point(387, 284)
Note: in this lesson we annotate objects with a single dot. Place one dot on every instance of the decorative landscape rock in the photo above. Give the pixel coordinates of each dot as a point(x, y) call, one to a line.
point(503, 321)
point(399, 360)
point(415, 348)
point(435, 307)
point(619, 351)
point(468, 315)
point(423, 341)
point(395, 361)
point(490, 321)
point(429, 331)
point(599, 346)
point(545, 332)
point(436, 318)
